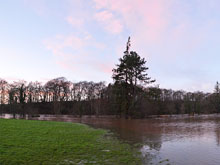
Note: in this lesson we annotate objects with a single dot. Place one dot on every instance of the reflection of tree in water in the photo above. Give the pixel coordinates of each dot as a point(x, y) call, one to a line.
point(217, 132)
point(217, 129)
point(153, 142)
point(150, 149)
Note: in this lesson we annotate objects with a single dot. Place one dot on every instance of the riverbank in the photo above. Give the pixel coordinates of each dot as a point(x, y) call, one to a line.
point(46, 142)
point(60, 117)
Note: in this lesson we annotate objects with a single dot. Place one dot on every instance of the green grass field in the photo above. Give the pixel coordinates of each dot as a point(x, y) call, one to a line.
point(44, 142)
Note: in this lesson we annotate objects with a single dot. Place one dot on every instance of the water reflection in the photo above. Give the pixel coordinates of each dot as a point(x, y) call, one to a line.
point(217, 136)
point(177, 140)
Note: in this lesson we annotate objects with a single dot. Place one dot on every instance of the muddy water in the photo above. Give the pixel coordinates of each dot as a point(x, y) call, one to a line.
point(181, 140)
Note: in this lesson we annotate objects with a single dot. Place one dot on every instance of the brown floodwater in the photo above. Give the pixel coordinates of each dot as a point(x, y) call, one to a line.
point(180, 139)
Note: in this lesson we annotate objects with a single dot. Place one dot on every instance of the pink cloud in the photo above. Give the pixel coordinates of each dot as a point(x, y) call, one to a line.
point(61, 42)
point(147, 20)
point(75, 22)
point(106, 68)
point(155, 23)
point(71, 53)
point(110, 23)
point(104, 16)
point(114, 5)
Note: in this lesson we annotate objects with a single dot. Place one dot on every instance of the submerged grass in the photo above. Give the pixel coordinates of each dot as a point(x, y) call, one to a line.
point(43, 142)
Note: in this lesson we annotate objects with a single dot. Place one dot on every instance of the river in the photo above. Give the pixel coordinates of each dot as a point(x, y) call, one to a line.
point(180, 139)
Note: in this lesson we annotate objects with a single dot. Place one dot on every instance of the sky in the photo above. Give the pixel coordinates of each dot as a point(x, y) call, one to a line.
point(83, 40)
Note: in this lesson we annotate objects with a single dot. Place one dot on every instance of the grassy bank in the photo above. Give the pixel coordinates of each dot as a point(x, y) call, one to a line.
point(43, 142)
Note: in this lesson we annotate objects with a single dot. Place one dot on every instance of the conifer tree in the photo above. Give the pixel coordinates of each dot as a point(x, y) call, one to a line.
point(217, 97)
point(129, 75)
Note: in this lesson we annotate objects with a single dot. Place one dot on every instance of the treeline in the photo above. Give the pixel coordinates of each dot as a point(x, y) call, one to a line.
point(60, 96)
point(128, 96)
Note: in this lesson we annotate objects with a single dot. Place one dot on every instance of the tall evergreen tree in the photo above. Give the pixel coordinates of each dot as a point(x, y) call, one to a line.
point(217, 97)
point(131, 69)
point(217, 90)
point(129, 75)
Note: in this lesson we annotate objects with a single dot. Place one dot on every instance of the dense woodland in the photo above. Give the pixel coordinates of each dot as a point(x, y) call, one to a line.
point(130, 95)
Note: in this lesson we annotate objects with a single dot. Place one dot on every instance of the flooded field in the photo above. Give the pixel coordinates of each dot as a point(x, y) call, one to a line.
point(172, 140)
